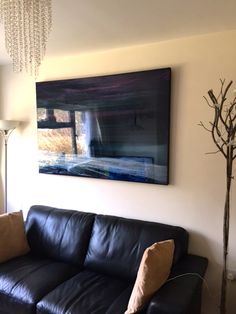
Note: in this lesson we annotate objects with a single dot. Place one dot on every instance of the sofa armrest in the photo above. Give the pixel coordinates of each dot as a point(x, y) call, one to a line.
point(181, 295)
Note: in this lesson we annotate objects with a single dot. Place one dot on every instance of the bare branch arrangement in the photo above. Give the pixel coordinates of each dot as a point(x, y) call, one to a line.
point(223, 132)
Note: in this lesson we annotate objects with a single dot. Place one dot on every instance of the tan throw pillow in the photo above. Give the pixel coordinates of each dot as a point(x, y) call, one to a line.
point(13, 241)
point(153, 272)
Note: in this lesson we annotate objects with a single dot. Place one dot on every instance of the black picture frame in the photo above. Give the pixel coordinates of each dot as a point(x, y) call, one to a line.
point(111, 127)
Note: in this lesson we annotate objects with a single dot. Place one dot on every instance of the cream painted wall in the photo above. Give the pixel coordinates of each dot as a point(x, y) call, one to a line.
point(195, 197)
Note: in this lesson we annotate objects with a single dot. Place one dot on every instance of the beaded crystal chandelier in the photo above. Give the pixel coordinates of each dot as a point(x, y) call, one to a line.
point(27, 24)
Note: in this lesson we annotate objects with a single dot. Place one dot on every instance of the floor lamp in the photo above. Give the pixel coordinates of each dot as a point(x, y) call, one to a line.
point(6, 127)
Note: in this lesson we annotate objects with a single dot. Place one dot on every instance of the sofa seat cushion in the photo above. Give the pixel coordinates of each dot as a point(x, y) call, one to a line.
point(87, 293)
point(25, 280)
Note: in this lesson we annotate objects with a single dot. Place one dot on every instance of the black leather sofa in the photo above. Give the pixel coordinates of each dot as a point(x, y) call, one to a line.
point(82, 263)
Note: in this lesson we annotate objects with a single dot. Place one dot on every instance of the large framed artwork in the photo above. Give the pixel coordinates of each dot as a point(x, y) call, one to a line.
point(111, 127)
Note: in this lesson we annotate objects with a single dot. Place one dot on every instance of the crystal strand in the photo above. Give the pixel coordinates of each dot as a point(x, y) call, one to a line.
point(36, 38)
point(25, 36)
point(1, 10)
point(31, 35)
point(4, 18)
point(8, 30)
point(14, 35)
point(49, 16)
point(12, 31)
point(43, 28)
point(19, 34)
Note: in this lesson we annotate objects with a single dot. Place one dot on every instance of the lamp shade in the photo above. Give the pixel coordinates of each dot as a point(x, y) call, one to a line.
point(6, 125)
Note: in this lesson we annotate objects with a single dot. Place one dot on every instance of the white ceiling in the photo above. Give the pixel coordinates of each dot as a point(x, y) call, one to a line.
point(88, 25)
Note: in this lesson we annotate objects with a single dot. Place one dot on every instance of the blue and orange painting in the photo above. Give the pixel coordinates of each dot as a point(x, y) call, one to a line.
point(111, 127)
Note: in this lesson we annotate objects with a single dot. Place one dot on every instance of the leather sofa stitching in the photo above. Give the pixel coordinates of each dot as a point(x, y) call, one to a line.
point(41, 231)
point(59, 245)
point(27, 275)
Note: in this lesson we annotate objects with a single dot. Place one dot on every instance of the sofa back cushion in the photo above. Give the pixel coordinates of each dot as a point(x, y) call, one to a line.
point(59, 233)
point(117, 244)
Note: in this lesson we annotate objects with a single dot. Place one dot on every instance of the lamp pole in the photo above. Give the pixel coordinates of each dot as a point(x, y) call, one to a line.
point(6, 128)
